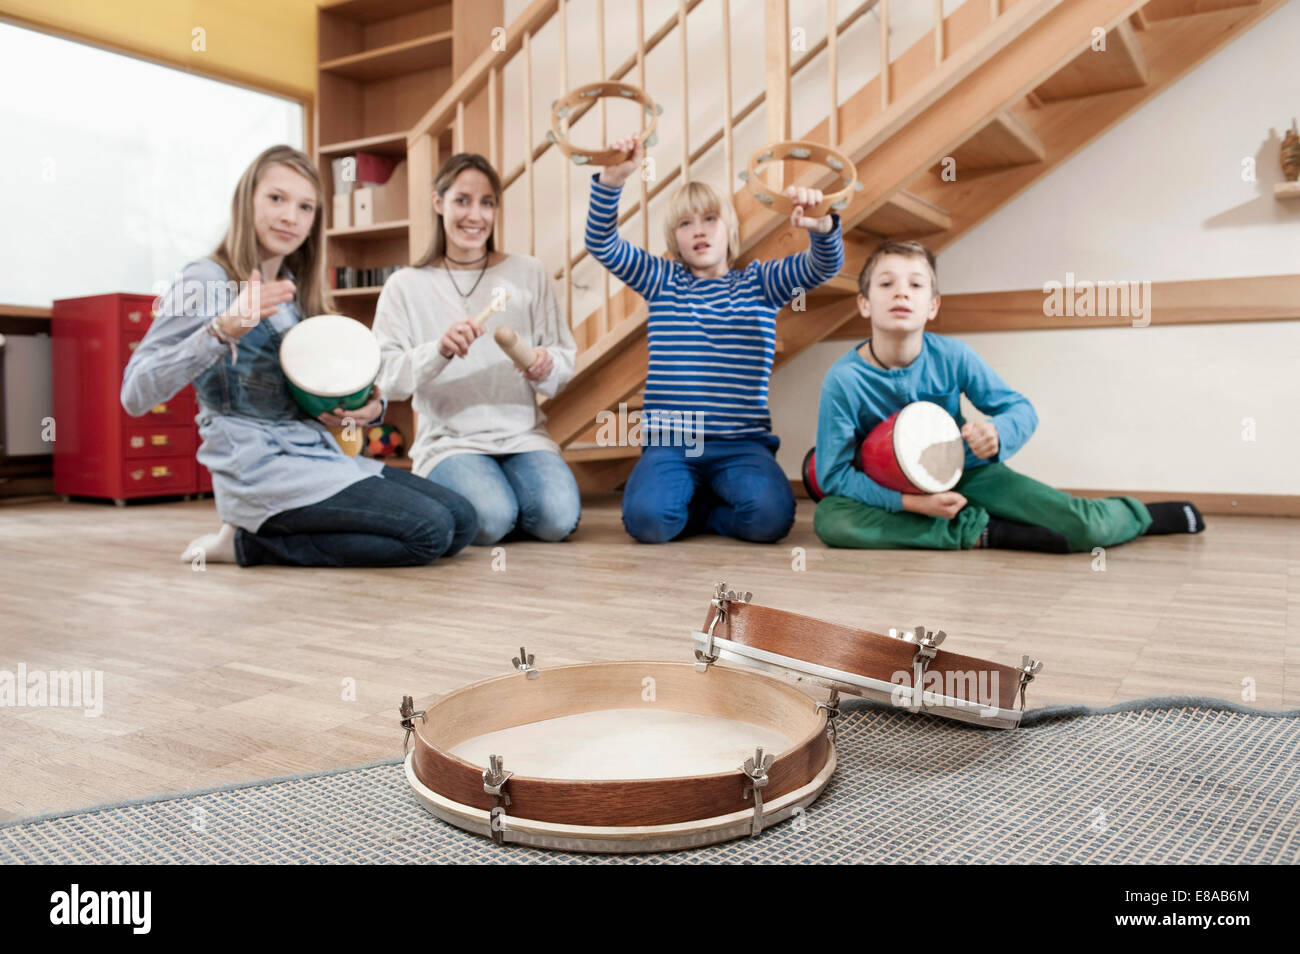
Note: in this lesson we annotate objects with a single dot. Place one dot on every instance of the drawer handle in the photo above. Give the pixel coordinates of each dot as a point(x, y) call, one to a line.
point(158, 409)
point(137, 441)
point(137, 475)
point(161, 470)
point(159, 440)
point(134, 316)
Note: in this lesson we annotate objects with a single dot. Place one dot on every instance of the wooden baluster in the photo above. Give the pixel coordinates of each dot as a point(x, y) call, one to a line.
point(528, 141)
point(776, 22)
point(833, 69)
point(728, 151)
point(564, 166)
point(640, 67)
point(938, 32)
point(602, 324)
point(884, 54)
point(686, 115)
point(458, 136)
point(494, 149)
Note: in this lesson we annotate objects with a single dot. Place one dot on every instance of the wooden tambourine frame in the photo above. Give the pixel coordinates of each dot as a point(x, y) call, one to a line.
point(808, 152)
point(608, 814)
point(564, 107)
point(862, 663)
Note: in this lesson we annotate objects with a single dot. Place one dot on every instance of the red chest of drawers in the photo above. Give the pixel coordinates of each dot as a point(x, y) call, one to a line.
point(99, 449)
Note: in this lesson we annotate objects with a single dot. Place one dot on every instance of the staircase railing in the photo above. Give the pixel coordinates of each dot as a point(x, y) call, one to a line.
point(447, 117)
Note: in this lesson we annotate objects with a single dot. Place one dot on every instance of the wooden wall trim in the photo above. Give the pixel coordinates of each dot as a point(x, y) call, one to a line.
point(1249, 505)
point(1265, 298)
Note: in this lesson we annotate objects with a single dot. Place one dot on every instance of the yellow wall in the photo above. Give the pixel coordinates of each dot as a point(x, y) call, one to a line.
point(270, 44)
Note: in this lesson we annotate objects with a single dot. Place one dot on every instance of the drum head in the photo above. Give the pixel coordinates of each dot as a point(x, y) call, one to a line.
point(928, 446)
point(330, 356)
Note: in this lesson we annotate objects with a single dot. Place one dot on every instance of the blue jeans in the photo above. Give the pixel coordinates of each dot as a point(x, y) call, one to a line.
point(533, 492)
point(396, 519)
point(734, 488)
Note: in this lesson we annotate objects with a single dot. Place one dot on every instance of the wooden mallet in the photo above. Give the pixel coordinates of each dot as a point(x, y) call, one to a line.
point(479, 320)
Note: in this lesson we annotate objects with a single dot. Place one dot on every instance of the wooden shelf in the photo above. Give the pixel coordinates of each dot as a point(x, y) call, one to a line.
point(371, 292)
point(371, 11)
point(380, 230)
point(393, 144)
point(422, 53)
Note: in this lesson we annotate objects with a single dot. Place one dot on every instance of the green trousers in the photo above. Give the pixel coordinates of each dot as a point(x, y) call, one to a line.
point(990, 490)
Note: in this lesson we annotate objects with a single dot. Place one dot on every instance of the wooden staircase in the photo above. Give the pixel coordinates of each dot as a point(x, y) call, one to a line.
point(961, 122)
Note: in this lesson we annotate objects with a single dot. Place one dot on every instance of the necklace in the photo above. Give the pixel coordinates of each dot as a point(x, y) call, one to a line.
point(465, 295)
point(472, 261)
point(872, 349)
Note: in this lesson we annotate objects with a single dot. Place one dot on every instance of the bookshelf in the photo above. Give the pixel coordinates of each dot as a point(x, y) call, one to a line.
point(380, 65)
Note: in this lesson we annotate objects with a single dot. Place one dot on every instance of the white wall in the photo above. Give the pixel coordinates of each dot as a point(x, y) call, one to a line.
point(1160, 197)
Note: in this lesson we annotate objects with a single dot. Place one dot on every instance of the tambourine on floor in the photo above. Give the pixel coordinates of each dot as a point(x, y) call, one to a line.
point(619, 756)
point(655, 756)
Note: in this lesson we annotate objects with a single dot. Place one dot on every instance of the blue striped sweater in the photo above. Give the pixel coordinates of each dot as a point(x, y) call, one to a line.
point(711, 340)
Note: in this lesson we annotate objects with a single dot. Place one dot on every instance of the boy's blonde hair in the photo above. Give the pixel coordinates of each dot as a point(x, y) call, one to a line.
point(699, 197)
point(907, 250)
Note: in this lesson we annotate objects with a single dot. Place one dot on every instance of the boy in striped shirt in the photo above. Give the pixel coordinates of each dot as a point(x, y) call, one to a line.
point(711, 460)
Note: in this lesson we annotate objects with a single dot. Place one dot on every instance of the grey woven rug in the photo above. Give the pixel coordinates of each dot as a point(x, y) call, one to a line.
point(1156, 781)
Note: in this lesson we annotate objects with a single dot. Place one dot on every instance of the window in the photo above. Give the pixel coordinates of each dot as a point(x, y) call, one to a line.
point(115, 171)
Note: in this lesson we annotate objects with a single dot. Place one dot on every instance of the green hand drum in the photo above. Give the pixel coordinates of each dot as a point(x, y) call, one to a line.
point(331, 361)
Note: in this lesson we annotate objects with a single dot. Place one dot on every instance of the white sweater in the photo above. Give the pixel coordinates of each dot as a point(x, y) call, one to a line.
point(479, 403)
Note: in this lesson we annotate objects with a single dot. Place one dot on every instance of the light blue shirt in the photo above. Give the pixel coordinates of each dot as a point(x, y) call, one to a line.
point(856, 396)
point(265, 455)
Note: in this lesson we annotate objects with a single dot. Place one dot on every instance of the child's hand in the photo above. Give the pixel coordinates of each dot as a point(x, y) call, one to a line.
point(541, 368)
point(982, 436)
point(805, 199)
point(457, 339)
point(362, 416)
point(615, 176)
point(945, 505)
point(257, 300)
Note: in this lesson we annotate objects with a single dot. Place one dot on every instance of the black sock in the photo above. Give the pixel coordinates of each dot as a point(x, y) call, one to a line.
point(1009, 535)
point(1177, 516)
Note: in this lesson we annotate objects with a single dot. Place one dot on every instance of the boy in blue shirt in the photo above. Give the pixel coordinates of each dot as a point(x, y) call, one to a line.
point(992, 505)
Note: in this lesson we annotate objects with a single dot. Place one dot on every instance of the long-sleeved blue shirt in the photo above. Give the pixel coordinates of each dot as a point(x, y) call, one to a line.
point(856, 396)
point(712, 340)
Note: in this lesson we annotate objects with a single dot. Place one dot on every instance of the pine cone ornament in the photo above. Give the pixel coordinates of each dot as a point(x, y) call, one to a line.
point(1291, 153)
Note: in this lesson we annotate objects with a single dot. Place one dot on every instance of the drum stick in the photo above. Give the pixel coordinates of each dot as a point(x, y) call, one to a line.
point(479, 320)
point(518, 352)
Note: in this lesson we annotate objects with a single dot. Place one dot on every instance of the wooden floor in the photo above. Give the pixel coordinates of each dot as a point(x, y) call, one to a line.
point(228, 675)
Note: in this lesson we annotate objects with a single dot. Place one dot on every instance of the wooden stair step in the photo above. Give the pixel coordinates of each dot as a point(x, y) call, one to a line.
point(906, 214)
point(1168, 9)
point(580, 451)
point(1122, 65)
point(1005, 141)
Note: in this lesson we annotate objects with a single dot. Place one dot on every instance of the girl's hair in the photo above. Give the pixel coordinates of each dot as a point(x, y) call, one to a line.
point(238, 252)
point(906, 249)
point(699, 197)
point(452, 168)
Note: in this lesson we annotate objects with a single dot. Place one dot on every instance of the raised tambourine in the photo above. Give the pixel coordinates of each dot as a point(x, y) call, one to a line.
point(562, 108)
point(908, 670)
point(809, 152)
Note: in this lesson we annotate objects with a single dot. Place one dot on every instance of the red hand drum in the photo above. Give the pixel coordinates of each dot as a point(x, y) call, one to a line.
point(917, 450)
